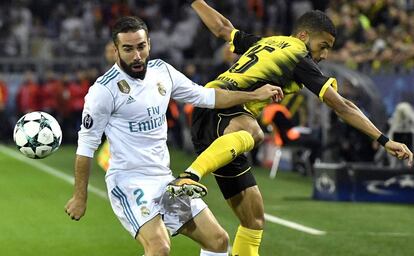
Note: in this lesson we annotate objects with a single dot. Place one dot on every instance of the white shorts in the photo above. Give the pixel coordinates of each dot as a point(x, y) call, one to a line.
point(136, 199)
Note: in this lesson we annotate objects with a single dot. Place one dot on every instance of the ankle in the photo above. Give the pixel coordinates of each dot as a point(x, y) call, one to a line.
point(189, 175)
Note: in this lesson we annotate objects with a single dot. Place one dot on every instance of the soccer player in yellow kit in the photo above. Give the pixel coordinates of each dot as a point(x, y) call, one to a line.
point(222, 136)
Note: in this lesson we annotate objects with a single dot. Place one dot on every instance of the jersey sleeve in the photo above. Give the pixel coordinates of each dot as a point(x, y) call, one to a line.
point(308, 73)
point(185, 90)
point(241, 41)
point(99, 104)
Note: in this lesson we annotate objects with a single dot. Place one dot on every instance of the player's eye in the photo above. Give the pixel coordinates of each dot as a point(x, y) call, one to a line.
point(141, 47)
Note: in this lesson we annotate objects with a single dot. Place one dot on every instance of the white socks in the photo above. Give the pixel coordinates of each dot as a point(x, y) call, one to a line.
point(207, 253)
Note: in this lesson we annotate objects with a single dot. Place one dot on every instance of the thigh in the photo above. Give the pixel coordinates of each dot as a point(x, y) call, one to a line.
point(153, 232)
point(244, 122)
point(178, 211)
point(209, 124)
point(135, 199)
point(204, 229)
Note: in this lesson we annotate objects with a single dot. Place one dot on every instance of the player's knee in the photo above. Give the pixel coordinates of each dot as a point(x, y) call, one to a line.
point(253, 222)
point(258, 136)
point(258, 222)
point(158, 247)
point(253, 219)
point(219, 242)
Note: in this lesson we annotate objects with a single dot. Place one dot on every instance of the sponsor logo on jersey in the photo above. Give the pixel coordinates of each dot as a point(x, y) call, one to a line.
point(124, 86)
point(147, 125)
point(87, 121)
point(161, 89)
point(130, 100)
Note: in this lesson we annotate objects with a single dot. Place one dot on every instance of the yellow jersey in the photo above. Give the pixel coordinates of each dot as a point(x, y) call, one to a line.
point(280, 60)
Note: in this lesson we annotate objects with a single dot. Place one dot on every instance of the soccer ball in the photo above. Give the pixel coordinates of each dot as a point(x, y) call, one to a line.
point(37, 134)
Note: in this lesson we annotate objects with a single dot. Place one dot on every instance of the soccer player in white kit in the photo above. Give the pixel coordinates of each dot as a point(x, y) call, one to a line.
point(129, 103)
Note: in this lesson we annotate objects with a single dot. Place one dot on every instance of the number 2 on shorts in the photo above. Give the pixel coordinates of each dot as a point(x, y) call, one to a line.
point(139, 193)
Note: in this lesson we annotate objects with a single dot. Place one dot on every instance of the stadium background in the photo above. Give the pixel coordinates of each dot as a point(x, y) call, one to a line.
point(52, 51)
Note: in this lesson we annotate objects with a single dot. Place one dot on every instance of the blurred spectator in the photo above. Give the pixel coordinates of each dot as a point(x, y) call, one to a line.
point(52, 95)
point(76, 89)
point(363, 28)
point(401, 129)
point(21, 18)
point(5, 126)
point(191, 71)
point(110, 54)
point(28, 95)
point(280, 119)
point(223, 59)
point(375, 36)
point(174, 124)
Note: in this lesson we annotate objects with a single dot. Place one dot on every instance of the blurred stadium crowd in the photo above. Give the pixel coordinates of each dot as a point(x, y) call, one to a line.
point(373, 35)
point(52, 51)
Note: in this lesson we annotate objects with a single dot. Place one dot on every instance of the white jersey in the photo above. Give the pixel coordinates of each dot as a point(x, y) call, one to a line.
point(132, 113)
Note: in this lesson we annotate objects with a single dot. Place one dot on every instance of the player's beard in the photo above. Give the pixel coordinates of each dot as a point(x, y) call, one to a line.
point(308, 46)
point(127, 68)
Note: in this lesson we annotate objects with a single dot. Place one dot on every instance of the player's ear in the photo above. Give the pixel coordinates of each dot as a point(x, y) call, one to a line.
point(149, 44)
point(303, 36)
point(115, 45)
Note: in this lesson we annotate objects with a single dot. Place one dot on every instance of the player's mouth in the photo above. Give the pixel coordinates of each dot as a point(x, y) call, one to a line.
point(138, 67)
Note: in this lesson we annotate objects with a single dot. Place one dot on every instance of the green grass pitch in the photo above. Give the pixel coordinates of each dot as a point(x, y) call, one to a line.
point(33, 221)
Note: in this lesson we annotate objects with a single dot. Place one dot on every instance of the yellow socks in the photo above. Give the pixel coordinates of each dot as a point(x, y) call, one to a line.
point(221, 152)
point(247, 242)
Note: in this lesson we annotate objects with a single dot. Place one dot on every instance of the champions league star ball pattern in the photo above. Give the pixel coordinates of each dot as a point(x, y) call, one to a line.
point(37, 134)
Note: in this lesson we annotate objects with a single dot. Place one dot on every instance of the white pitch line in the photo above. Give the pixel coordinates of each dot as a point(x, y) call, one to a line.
point(99, 192)
point(294, 225)
point(50, 170)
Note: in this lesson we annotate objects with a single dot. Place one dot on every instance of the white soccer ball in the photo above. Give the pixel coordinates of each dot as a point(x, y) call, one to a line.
point(37, 134)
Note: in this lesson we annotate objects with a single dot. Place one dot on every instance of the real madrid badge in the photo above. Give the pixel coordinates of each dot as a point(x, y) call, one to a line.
point(124, 86)
point(145, 212)
point(161, 89)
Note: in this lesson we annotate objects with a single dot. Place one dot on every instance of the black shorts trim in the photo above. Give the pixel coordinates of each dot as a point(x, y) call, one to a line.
point(231, 186)
point(232, 176)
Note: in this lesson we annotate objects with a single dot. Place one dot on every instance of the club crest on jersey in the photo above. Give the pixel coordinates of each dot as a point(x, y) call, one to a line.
point(161, 89)
point(124, 86)
point(145, 212)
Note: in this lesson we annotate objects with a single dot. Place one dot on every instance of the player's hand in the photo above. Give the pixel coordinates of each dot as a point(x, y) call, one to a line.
point(75, 208)
point(400, 151)
point(268, 91)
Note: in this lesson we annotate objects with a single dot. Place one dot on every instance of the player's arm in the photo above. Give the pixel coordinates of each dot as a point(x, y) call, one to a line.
point(308, 73)
point(352, 115)
point(184, 90)
point(226, 98)
point(219, 25)
point(76, 206)
point(99, 103)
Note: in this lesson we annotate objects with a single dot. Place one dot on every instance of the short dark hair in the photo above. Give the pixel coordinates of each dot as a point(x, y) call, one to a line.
point(315, 21)
point(127, 24)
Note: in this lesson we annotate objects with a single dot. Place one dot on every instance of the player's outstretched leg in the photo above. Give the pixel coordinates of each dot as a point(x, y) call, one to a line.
point(185, 185)
point(222, 151)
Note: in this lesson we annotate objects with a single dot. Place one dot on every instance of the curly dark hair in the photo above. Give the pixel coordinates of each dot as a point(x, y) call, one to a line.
point(315, 21)
point(127, 24)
